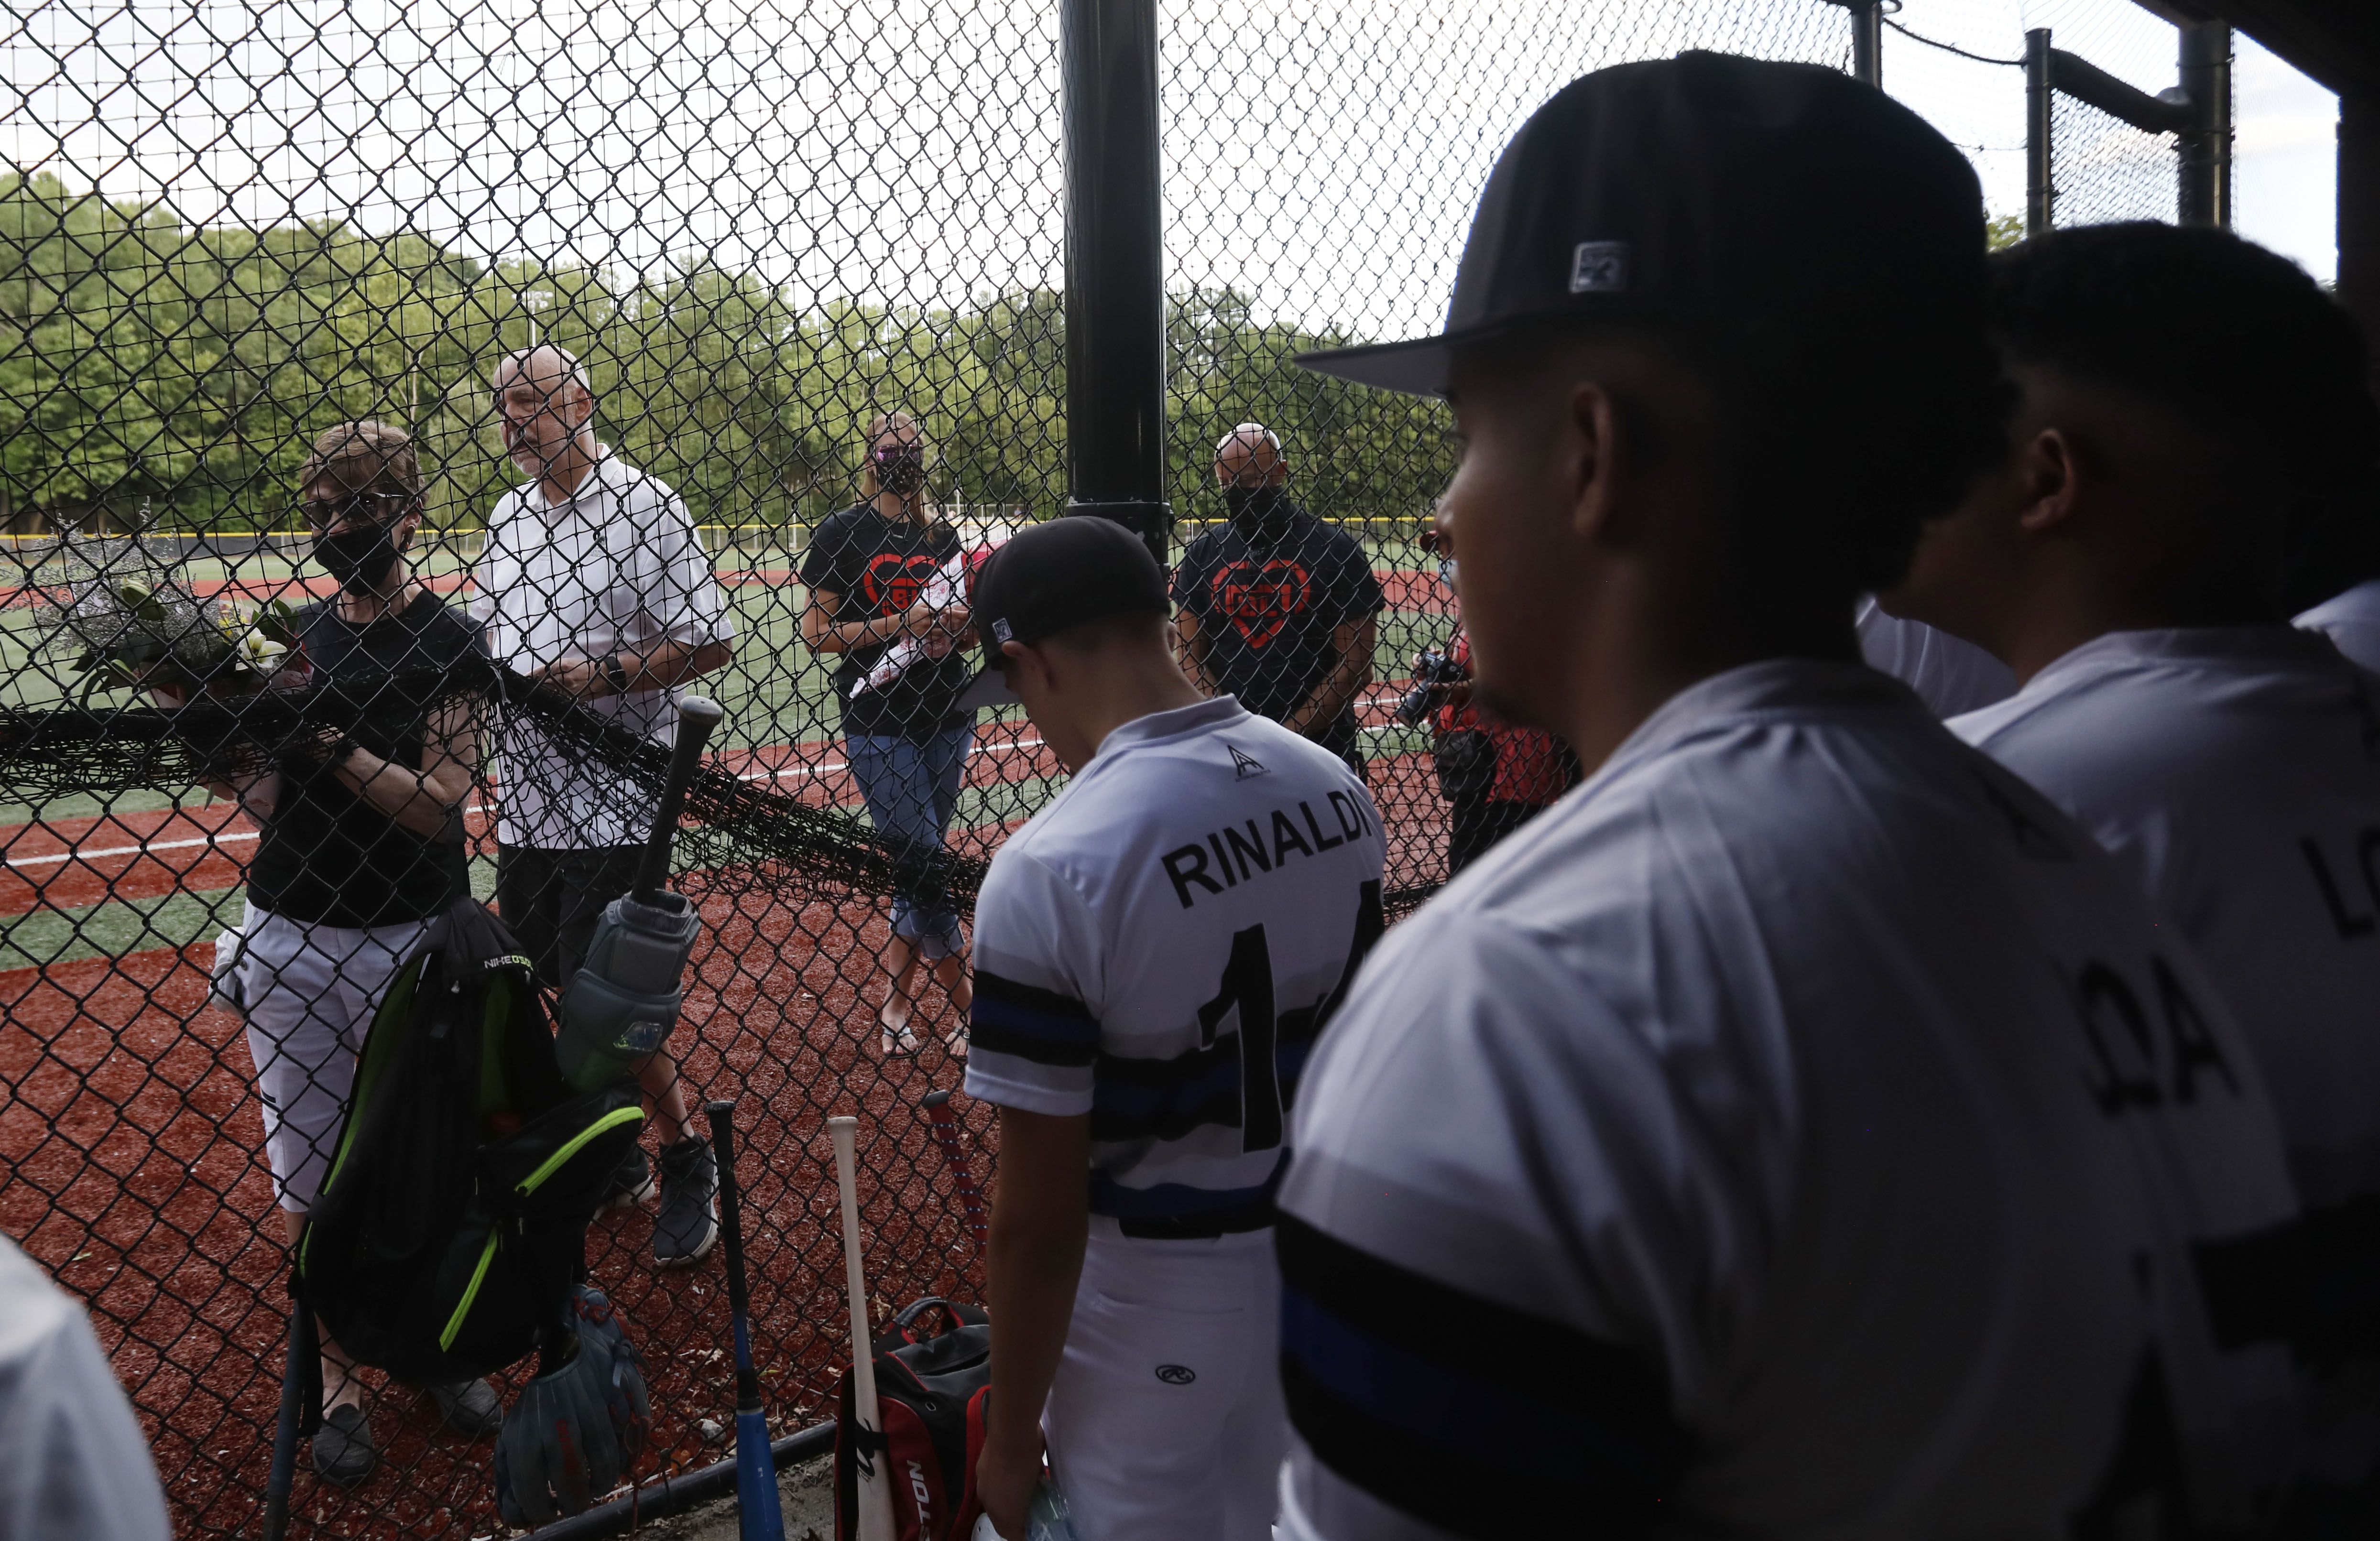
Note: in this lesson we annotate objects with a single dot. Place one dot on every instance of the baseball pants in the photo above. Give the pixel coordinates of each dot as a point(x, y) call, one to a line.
point(1165, 1422)
point(309, 993)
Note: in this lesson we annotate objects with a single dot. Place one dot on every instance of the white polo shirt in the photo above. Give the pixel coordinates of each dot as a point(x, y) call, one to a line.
point(1160, 947)
point(617, 566)
point(73, 1462)
point(1949, 674)
point(2352, 621)
point(1755, 1145)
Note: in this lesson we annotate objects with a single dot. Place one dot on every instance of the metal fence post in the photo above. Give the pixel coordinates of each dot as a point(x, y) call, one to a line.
point(1115, 268)
point(1867, 42)
point(2205, 150)
point(2040, 87)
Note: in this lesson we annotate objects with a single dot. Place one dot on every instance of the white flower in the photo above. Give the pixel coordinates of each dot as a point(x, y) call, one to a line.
point(261, 653)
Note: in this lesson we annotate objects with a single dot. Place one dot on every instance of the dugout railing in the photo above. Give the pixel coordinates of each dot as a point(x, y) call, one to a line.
point(224, 228)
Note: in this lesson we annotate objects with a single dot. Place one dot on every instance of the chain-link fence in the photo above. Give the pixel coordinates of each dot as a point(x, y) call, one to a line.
point(2103, 169)
point(809, 262)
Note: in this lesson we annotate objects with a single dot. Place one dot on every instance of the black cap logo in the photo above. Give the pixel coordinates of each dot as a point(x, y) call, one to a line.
point(1599, 267)
point(1176, 1375)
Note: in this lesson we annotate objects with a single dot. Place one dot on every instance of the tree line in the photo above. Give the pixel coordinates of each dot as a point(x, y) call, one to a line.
point(151, 364)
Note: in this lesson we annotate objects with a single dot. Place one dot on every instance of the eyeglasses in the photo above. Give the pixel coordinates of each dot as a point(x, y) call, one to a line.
point(887, 454)
point(373, 507)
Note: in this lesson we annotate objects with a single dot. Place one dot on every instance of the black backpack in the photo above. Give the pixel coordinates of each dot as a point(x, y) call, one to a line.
point(454, 1220)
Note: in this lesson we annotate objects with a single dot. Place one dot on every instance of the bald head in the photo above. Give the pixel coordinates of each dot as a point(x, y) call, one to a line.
point(1250, 456)
point(543, 408)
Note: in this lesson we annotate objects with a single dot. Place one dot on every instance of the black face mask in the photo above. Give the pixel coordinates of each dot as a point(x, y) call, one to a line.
point(902, 471)
point(1256, 511)
point(360, 557)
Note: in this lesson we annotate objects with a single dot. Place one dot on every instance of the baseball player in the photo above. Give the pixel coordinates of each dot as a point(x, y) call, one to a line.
point(1797, 1130)
point(2185, 393)
point(1157, 952)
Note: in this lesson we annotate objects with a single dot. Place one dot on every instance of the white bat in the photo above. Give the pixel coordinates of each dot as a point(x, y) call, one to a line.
point(875, 1487)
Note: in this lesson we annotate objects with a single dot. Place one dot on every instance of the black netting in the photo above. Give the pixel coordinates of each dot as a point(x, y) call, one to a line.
point(773, 240)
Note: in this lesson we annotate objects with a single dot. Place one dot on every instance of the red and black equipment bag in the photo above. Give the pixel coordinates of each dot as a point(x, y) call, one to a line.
point(933, 1375)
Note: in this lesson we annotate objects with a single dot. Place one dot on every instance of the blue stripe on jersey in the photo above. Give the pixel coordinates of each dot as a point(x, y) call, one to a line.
point(1031, 1022)
point(1478, 1418)
point(1176, 1209)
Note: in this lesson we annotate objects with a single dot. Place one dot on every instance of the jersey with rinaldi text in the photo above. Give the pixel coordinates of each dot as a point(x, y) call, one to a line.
point(1160, 949)
point(1800, 1130)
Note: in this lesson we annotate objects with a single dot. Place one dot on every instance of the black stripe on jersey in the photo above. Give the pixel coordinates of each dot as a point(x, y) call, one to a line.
point(1031, 1022)
point(1139, 1099)
point(2312, 1282)
point(1481, 1419)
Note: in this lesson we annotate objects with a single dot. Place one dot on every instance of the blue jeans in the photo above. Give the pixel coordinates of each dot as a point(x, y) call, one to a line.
point(912, 790)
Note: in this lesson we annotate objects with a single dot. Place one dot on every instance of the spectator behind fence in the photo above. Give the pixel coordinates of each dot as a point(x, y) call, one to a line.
point(594, 579)
point(1494, 776)
point(1276, 607)
point(887, 588)
point(2186, 396)
point(1753, 1144)
point(362, 844)
point(73, 1466)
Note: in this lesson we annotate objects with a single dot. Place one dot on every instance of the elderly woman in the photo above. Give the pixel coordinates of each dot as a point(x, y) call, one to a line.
point(884, 594)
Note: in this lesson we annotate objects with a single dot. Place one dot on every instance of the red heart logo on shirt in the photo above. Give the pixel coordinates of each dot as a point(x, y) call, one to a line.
point(893, 582)
point(1260, 601)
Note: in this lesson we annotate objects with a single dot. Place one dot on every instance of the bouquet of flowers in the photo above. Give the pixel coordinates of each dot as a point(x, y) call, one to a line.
point(138, 627)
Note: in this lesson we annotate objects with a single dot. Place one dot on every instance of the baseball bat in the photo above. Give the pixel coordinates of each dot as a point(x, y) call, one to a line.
point(697, 715)
point(284, 1474)
point(758, 1515)
point(946, 1135)
point(875, 1483)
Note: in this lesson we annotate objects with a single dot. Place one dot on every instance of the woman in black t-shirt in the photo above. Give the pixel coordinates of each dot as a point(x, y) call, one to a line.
point(886, 582)
point(362, 844)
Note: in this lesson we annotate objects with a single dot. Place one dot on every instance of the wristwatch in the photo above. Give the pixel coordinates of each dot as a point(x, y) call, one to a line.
point(615, 673)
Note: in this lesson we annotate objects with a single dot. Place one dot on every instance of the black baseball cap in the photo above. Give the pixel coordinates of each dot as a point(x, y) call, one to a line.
point(1051, 577)
point(1708, 189)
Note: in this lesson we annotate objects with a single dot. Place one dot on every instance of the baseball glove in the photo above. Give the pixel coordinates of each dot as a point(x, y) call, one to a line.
point(576, 1431)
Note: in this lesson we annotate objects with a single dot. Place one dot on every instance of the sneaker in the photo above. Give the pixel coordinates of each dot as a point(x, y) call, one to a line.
point(688, 1221)
point(632, 1182)
point(469, 1407)
point(344, 1455)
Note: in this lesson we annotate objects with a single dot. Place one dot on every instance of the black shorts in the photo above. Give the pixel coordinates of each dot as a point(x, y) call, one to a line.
point(550, 900)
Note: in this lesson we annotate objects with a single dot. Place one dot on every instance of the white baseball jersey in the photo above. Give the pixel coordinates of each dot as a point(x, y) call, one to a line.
point(73, 1462)
point(617, 566)
point(2236, 772)
point(1159, 947)
point(1792, 1133)
point(1949, 674)
point(2352, 621)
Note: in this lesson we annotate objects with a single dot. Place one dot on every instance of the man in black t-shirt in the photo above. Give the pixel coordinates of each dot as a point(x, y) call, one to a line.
point(1276, 607)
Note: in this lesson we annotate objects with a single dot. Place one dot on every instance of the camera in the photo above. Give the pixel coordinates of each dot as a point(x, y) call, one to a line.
point(1433, 671)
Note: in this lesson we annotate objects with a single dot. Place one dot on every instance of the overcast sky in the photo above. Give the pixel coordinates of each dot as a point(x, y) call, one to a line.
point(1322, 157)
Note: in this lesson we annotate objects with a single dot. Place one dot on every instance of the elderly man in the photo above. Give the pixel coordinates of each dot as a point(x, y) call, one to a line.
point(594, 580)
point(1276, 607)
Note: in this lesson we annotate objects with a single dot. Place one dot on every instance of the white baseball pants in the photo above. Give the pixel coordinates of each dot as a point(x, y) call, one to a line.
point(1165, 1422)
point(310, 992)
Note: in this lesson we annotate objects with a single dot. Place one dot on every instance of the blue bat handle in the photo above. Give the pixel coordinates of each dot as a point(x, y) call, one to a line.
point(758, 1515)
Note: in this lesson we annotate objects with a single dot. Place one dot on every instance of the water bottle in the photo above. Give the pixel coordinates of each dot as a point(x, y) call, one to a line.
point(1047, 1519)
